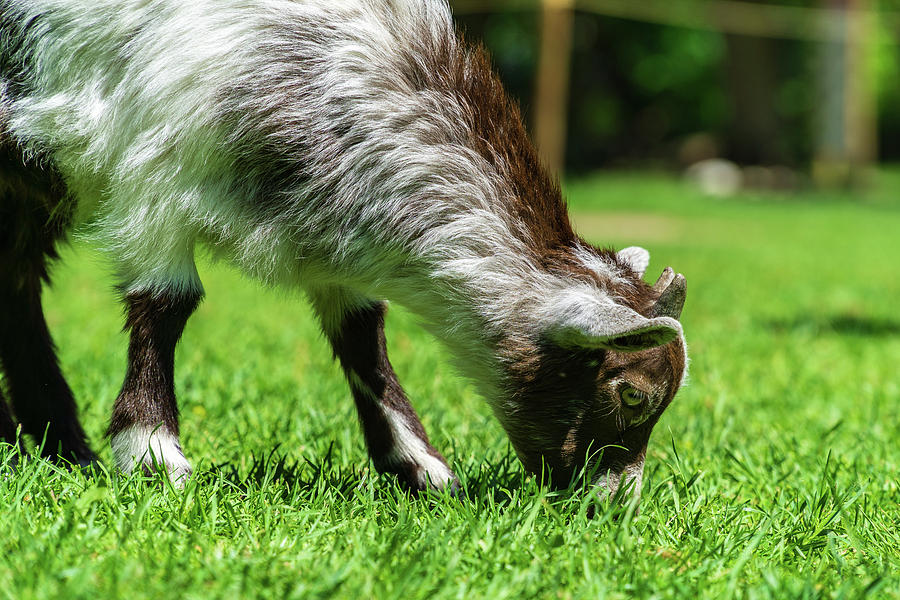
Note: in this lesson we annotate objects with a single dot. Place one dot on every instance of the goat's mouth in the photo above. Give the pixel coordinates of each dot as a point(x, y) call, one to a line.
point(618, 483)
point(620, 470)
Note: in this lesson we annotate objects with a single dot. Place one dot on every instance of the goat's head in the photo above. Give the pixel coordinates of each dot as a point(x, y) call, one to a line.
point(585, 398)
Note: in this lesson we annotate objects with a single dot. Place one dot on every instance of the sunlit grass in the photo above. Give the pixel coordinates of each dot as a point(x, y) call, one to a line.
point(774, 474)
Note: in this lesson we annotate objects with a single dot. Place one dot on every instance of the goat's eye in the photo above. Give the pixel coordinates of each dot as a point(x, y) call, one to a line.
point(632, 397)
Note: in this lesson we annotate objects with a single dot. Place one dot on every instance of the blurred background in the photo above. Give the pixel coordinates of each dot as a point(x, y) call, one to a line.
point(745, 93)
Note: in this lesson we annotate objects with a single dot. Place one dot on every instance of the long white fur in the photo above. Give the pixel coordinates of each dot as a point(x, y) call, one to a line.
point(159, 116)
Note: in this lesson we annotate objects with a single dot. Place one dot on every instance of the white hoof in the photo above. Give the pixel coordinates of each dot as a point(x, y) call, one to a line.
point(150, 448)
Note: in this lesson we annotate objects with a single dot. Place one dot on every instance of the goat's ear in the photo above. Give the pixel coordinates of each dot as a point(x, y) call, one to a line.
point(604, 324)
point(635, 257)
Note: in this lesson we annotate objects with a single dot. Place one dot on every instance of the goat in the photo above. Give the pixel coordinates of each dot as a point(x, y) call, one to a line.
point(357, 150)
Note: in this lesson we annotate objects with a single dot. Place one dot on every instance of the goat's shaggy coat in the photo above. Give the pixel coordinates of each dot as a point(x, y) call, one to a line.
point(357, 150)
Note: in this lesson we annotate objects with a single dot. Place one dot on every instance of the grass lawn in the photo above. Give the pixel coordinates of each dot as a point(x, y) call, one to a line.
point(774, 474)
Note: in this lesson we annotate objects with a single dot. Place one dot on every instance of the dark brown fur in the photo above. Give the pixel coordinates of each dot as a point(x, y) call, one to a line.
point(33, 219)
point(499, 135)
point(147, 398)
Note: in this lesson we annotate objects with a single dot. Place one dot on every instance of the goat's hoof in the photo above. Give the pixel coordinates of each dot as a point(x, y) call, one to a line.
point(151, 450)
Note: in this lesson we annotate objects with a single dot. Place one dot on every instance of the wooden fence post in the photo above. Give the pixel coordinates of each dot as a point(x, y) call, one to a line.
point(551, 95)
point(846, 129)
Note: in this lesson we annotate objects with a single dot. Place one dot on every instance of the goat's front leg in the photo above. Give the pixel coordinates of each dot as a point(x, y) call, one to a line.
point(395, 437)
point(144, 427)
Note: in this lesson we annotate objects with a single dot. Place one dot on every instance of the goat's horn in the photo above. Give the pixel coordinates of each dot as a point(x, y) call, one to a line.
point(664, 280)
point(671, 299)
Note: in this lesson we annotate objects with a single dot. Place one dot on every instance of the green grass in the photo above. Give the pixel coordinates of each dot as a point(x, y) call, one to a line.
point(774, 474)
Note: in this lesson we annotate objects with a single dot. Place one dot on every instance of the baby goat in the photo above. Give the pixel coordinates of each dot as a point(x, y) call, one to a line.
point(356, 149)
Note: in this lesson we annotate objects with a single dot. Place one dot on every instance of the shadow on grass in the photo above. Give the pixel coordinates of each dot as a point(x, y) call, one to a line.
point(293, 472)
point(845, 324)
point(496, 483)
point(493, 486)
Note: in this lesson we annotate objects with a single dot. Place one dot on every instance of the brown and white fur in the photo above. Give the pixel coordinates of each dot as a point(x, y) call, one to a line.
point(355, 149)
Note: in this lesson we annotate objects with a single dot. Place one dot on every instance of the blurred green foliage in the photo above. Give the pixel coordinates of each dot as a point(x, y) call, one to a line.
point(639, 90)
